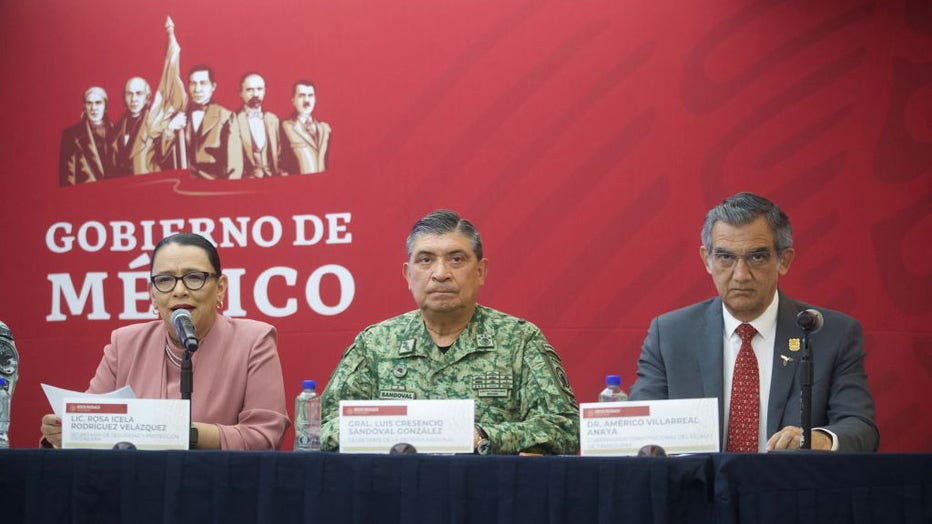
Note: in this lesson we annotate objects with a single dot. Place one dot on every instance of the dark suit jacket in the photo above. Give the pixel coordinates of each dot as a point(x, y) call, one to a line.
point(81, 157)
point(133, 149)
point(682, 357)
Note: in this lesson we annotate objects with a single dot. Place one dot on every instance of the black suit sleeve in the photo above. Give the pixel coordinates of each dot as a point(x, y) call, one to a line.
point(66, 162)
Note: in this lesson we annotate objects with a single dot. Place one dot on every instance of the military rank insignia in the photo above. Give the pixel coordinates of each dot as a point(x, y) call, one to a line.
point(407, 347)
point(485, 340)
point(493, 384)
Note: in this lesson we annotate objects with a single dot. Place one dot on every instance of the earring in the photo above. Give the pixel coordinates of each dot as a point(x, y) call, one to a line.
point(220, 303)
point(155, 310)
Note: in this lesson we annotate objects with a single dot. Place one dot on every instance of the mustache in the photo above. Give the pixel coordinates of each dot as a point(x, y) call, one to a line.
point(254, 101)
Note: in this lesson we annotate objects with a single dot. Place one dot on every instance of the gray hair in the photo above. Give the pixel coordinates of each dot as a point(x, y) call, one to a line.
point(145, 83)
point(741, 209)
point(441, 222)
point(94, 90)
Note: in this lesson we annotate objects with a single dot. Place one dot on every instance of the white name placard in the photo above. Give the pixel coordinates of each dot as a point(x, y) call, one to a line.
point(622, 428)
point(431, 426)
point(146, 423)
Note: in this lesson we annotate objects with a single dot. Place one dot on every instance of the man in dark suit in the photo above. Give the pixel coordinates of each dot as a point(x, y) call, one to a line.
point(698, 351)
point(84, 154)
point(132, 143)
point(212, 146)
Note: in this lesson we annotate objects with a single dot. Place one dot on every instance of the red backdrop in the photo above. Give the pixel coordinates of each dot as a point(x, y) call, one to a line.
point(586, 139)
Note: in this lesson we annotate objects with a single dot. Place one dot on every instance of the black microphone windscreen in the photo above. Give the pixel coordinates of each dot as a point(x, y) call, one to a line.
point(652, 450)
point(402, 448)
point(810, 320)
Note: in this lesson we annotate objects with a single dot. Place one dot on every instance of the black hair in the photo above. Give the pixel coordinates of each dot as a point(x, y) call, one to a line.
point(189, 239)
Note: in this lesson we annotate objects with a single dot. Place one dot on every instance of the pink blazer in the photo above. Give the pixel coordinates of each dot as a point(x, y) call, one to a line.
point(238, 382)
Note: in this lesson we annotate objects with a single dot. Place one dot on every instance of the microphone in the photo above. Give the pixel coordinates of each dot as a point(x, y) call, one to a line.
point(402, 448)
point(652, 450)
point(809, 320)
point(184, 328)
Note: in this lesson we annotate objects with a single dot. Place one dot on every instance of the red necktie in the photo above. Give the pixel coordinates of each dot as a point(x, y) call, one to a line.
point(744, 412)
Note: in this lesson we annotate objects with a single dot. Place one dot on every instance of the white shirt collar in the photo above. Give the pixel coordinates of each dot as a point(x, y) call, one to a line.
point(765, 324)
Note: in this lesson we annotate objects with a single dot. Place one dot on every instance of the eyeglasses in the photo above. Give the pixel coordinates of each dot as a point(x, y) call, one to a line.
point(755, 259)
point(193, 280)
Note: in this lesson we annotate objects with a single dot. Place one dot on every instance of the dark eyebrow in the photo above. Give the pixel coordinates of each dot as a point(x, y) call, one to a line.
point(462, 252)
point(184, 271)
point(756, 250)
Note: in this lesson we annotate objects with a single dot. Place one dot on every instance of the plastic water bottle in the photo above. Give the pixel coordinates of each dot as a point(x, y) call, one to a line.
point(612, 391)
point(307, 418)
point(4, 414)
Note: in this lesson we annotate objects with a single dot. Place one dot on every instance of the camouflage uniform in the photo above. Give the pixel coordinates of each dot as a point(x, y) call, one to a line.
point(523, 398)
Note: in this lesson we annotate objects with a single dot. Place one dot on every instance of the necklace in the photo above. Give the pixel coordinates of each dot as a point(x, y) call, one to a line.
point(171, 356)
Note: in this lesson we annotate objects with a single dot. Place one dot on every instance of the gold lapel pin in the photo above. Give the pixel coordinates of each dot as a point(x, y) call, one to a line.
point(794, 344)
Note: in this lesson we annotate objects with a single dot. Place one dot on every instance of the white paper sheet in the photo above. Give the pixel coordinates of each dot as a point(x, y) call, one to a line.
point(57, 396)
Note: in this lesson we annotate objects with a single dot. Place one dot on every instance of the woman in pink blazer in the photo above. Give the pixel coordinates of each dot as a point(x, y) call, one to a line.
point(238, 399)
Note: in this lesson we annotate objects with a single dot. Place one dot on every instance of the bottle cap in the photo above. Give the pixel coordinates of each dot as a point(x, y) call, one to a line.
point(612, 380)
point(308, 384)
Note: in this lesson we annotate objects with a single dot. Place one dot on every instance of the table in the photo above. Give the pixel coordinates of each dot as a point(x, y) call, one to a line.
point(217, 486)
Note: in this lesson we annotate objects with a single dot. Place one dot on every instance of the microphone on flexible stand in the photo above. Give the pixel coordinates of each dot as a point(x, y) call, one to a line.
point(809, 321)
point(187, 335)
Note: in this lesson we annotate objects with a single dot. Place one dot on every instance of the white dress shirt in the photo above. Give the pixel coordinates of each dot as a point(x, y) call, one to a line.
point(197, 116)
point(256, 129)
point(763, 342)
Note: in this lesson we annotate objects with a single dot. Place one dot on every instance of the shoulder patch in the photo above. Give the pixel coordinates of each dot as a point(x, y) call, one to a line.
point(556, 366)
point(485, 340)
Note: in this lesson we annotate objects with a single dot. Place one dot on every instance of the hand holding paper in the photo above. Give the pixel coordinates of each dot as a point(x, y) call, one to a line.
point(51, 424)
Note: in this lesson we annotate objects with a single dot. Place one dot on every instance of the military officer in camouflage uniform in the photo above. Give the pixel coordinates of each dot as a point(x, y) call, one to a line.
point(453, 348)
